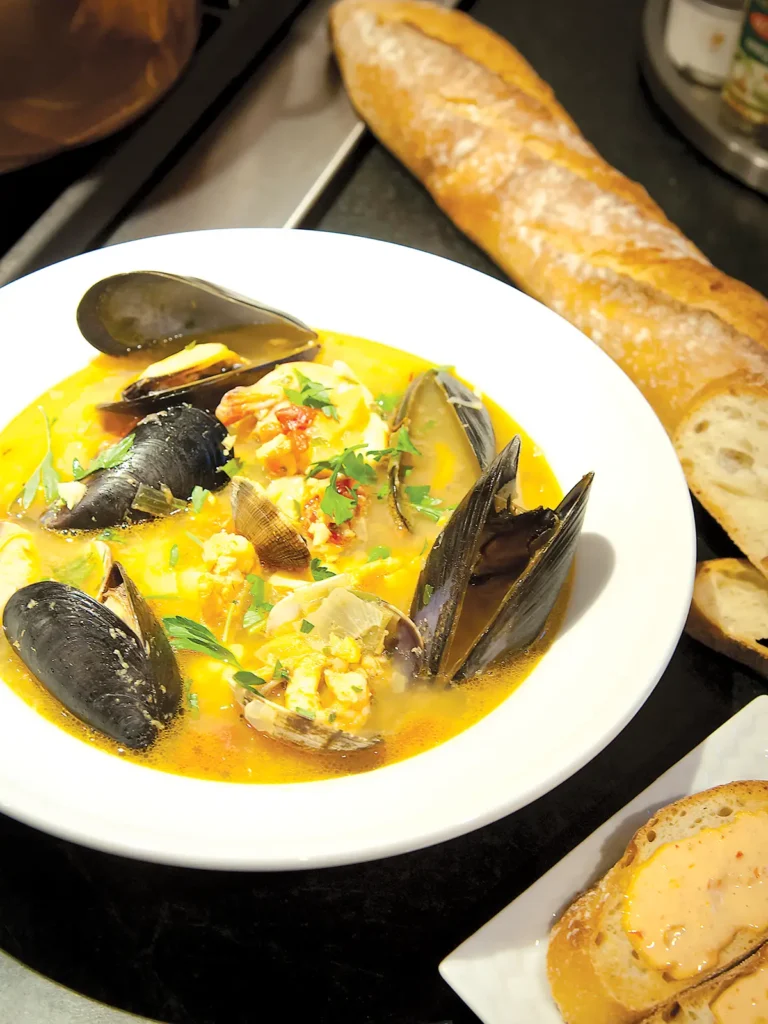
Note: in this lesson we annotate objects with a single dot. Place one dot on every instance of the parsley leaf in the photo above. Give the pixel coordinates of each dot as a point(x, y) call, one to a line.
point(307, 626)
point(260, 607)
point(319, 571)
point(388, 403)
point(427, 593)
point(232, 468)
point(421, 501)
point(108, 459)
point(312, 394)
point(340, 507)
point(279, 672)
point(379, 552)
point(187, 635)
point(403, 443)
point(354, 465)
point(173, 558)
point(305, 714)
point(198, 498)
point(44, 473)
point(193, 702)
point(249, 681)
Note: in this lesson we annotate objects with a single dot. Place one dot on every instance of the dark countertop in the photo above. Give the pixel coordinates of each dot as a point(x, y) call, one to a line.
point(362, 944)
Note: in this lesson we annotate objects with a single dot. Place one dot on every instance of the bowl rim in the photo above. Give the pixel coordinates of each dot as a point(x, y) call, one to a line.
point(403, 269)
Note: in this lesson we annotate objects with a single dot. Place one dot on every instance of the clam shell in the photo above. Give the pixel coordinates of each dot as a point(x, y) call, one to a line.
point(276, 541)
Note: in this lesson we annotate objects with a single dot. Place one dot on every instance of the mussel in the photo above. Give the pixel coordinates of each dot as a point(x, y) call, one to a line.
point(177, 449)
point(305, 629)
point(493, 555)
point(438, 405)
point(277, 542)
point(109, 662)
point(149, 309)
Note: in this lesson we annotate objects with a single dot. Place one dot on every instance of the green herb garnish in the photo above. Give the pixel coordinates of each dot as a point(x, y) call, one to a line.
point(332, 716)
point(173, 558)
point(108, 459)
point(383, 492)
point(187, 635)
point(357, 689)
point(427, 593)
point(379, 552)
point(403, 443)
point(388, 403)
point(44, 473)
point(198, 498)
point(306, 714)
point(115, 536)
point(307, 626)
point(341, 507)
point(312, 394)
point(279, 672)
point(232, 468)
point(193, 702)
point(422, 501)
point(259, 608)
point(320, 571)
point(249, 681)
point(76, 572)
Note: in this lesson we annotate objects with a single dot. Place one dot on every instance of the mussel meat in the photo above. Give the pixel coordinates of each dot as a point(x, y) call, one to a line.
point(439, 406)
point(491, 554)
point(177, 448)
point(109, 663)
point(277, 542)
point(311, 631)
point(147, 308)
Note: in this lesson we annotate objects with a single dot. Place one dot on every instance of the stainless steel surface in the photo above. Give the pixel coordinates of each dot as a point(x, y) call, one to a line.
point(28, 998)
point(694, 109)
point(270, 155)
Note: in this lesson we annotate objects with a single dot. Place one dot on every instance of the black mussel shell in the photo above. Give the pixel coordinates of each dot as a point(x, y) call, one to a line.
point(179, 448)
point(207, 392)
point(146, 308)
point(126, 686)
point(418, 401)
point(513, 563)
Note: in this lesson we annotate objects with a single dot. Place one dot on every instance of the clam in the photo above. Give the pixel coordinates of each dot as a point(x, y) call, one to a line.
point(108, 662)
point(335, 612)
point(439, 405)
point(493, 557)
point(277, 542)
point(176, 449)
point(149, 309)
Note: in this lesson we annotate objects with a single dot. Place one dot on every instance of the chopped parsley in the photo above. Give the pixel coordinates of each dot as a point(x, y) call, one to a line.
point(422, 501)
point(332, 716)
point(306, 714)
point(357, 689)
point(388, 403)
point(173, 558)
point(312, 394)
point(44, 473)
point(193, 702)
point(108, 459)
point(279, 672)
point(320, 571)
point(379, 552)
point(341, 507)
point(427, 593)
point(115, 536)
point(259, 608)
point(198, 498)
point(402, 444)
point(249, 681)
point(307, 626)
point(187, 635)
point(232, 468)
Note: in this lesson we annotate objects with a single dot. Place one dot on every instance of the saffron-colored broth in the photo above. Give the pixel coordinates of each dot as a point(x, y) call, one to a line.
point(210, 739)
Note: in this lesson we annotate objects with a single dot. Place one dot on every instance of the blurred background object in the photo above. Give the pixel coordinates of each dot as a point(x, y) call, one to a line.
point(700, 37)
point(74, 70)
point(745, 96)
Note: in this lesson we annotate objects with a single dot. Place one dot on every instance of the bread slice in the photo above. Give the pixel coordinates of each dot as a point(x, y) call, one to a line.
point(595, 974)
point(700, 1005)
point(722, 442)
point(730, 611)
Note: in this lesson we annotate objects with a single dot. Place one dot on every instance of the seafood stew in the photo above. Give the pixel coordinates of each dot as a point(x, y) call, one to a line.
point(240, 549)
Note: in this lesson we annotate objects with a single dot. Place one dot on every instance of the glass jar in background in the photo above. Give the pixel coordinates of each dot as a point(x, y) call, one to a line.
point(74, 70)
point(745, 94)
point(700, 37)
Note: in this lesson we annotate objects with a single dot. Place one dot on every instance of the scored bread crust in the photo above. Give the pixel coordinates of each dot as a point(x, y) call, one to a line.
point(694, 1006)
point(728, 593)
point(594, 974)
point(461, 108)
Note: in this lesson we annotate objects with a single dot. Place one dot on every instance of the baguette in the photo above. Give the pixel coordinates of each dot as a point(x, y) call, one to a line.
point(730, 611)
point(594, 972)
point(714, 1002)
point(471, 119)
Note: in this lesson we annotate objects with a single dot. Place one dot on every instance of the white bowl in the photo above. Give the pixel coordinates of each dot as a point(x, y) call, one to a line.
point(634, 567)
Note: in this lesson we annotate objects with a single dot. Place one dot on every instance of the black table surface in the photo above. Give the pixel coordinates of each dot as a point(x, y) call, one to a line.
point(359, 944)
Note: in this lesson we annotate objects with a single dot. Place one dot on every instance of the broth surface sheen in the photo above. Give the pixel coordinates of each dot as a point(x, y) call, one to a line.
point(164, 558)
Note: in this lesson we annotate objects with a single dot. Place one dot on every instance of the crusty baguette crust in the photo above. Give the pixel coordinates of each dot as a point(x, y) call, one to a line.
point(469, 116)
point(693, 1006)
point(585, 988)
point(703, 626)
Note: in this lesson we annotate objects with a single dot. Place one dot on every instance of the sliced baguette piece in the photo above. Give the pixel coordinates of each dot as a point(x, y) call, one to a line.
point(722, 442)
point(729, 612)
point(594, 973)
point(710, 1004)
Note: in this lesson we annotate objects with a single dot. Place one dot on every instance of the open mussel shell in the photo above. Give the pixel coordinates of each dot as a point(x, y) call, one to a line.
point(522, 557)
point(178, 448)
point(277, 542)
point(207, 389)
point(114, 670)
point(460, 418)
point(147, 308)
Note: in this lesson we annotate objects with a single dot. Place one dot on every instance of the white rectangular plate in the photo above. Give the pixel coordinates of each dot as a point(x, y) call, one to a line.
point(500, 971)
